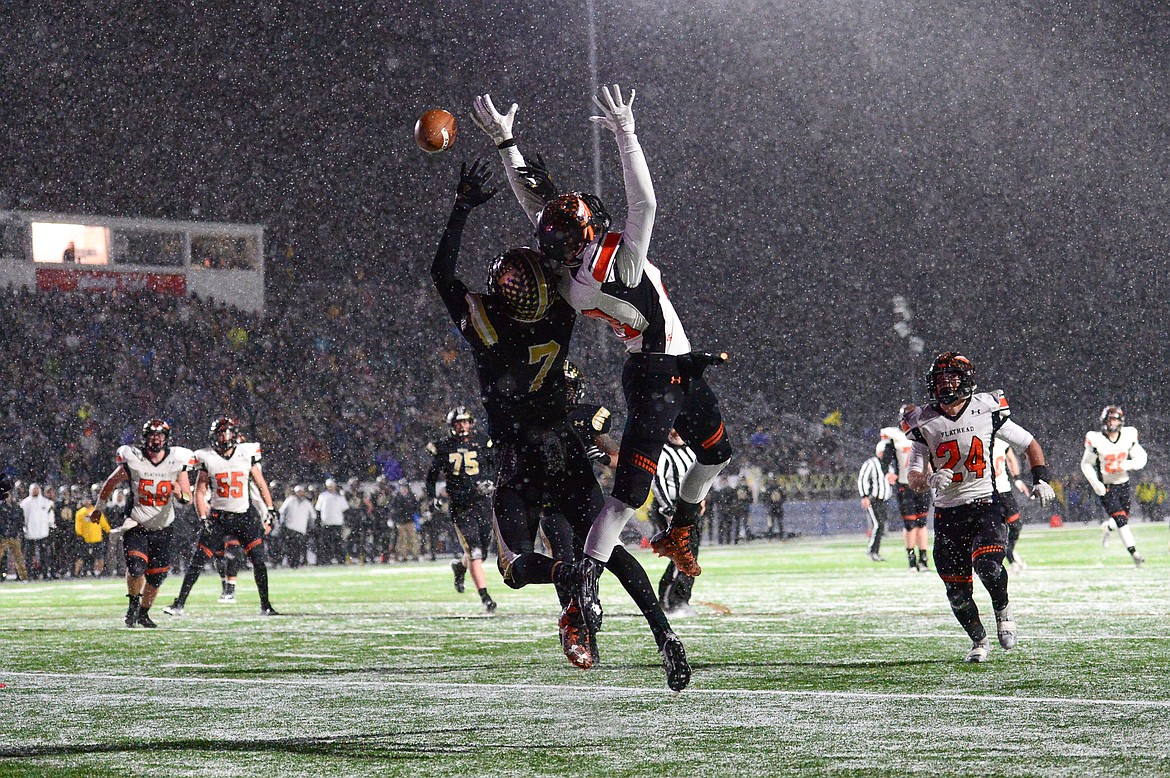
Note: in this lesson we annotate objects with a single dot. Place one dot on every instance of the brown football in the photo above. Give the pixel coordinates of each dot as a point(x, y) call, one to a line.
point(435, 131)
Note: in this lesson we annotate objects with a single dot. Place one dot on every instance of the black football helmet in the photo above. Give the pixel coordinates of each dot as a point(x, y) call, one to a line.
point(459, 413)
point(150, 428)
point(568, 224)
point(575, 384)
point(941, 383)
point(523, 280)
point(1112, 419)
point(223, 434)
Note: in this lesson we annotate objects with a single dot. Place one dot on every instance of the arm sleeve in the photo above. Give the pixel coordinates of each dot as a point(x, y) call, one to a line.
point(433, 477)
point(1089, 468)
point(529, 201)
point(1137, 458)
point(1014, 435)
point(919, 457)
point(451, 289)
point(641, 206)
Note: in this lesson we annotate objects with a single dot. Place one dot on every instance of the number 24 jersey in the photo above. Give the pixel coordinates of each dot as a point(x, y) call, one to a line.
point(963, 443)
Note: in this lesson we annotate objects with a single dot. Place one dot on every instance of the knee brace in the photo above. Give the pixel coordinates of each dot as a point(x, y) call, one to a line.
point(135, 565)
point(989, 567)
point(155, 578)
point(1121, 518)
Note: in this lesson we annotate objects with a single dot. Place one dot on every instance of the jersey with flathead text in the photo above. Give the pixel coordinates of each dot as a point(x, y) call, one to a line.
point(1109, 457)
point(152, 487)
point(229, 478)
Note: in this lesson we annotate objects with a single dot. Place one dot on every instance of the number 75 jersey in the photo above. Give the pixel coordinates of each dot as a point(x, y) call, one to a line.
point(963, 443)
point(153, 485)
point(228, 478)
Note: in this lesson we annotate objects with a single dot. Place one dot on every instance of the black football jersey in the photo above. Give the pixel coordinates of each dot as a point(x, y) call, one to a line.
point(466, 464)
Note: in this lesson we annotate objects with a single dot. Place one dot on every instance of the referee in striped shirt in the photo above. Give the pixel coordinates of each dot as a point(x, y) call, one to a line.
point(875, 490)
point(674, 589)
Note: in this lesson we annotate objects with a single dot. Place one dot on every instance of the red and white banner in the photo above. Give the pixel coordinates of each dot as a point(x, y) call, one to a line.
point(54, 280)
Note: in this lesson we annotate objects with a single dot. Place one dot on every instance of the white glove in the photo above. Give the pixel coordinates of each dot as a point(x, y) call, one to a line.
point(940, 479)
point(1099, 488)
point(618, 116)
point(1043, 492)
point(498, 126)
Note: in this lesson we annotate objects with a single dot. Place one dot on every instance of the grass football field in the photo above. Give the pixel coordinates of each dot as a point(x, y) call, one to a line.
point(808, 659)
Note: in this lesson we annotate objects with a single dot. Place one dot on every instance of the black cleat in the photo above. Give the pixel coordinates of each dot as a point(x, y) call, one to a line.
point(488, 603)
point(268, 610)
point(133, 611)
point(674, 661)
point(460, 571)
point(589, 592)
point(144, 620)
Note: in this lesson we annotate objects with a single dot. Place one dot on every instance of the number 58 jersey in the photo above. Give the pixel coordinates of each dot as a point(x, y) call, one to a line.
point(153, 485)
point(963, 443)
point(228, 478)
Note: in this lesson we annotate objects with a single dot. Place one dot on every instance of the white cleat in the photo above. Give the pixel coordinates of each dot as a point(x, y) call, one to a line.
point(1005, 627)
point(1138, 559)
point(979, 652)
point(228, 598)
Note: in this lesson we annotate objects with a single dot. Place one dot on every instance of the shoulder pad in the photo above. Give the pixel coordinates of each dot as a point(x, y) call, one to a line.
point(1090, 439)
point(1130, 431)
point(125, 454)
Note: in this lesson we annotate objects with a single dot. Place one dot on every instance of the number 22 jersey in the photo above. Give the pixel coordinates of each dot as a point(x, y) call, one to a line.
point(228, 478)
point(963, 443)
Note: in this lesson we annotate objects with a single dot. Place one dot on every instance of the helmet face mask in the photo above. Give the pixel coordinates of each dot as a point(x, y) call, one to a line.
point(568, 224)
point(460, 421)
point(223, 434)
point(156, 434)
point(1112, 419)
point(521, 279)
point(951, 379)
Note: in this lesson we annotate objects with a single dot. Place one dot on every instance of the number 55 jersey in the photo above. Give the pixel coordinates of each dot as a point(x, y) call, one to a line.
point(228, 478)
point(963, 443)
point(152, 485)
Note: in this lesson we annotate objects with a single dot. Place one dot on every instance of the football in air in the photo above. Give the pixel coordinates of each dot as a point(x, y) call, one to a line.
point(435, 131)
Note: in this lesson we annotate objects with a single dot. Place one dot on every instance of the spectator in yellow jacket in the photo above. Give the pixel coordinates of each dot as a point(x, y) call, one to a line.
point(93, 532)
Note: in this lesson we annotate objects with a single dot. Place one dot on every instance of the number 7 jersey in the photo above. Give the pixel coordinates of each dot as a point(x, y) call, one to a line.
point(963, 443)
point(152, 486)
point(228, 478)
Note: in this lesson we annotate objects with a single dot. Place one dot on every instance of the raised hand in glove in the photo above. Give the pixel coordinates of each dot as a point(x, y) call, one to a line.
point(498, 126)
point(618, 116)
point(596, 454)
point(473, 189)
point(273, 517)
point(941, 479)
point(537, 179)
point(1043, 492)
point(436, 504)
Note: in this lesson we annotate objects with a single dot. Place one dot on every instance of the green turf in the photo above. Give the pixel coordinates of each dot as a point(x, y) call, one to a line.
point(808, 659)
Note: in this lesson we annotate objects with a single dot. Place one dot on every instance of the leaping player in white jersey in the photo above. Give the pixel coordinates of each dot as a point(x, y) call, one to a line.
point(1110, 455)
point(954, 436)
point(157, 472)
point(222, 500)
point(606, 275)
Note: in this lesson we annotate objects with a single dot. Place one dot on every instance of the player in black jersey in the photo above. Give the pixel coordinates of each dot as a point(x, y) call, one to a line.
point(464, 460)
point(607, 276)
point(519, 334)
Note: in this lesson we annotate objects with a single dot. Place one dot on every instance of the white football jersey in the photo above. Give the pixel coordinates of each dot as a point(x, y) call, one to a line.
point(1110, 461)
point(963, 444)
point(153, 486)
point(229, 480)
point(1004, 481)
point(893, 436)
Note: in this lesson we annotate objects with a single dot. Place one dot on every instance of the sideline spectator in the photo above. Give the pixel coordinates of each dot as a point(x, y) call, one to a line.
point(39, 520)
point(296, 516)
point(11, 531)
point(331, 507)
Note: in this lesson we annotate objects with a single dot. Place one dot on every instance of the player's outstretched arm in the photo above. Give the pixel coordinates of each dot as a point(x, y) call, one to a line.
point(641, 205)
point(498, 127)
point(472, 191)
point(113, 480)
point(1089, 471)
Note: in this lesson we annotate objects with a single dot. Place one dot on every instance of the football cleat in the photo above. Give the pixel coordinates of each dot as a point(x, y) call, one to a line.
point(460, 571)
point(923, 567)
point(575, 636)
point(489, 604)
point(588, 585)
point(268, 610)
point(174, 609)
point(1138, 559)
point(132, 614)
point(677, 545)
point(227, 597)
point(1005, 627)
point(674, 661)
point(980, 650)
point(144, 620)
point(876, 557)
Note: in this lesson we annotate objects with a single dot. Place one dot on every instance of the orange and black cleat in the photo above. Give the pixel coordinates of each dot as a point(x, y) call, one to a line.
point(575, 636)
point(677, 545)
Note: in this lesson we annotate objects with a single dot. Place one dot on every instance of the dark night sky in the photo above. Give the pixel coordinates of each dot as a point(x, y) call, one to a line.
point(1000, 163)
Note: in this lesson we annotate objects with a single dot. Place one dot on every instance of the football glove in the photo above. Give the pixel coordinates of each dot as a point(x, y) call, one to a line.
point(485, 487)
point(941, 479)
point(537, 179)
point(436, 504)
point(273, 517)
point(1043, 492)
point(473, 189)
point(618, 116)
point(498, 126)
point(596, 454)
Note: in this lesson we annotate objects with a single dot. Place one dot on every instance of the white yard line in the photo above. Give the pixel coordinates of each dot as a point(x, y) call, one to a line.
point(334, 682)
